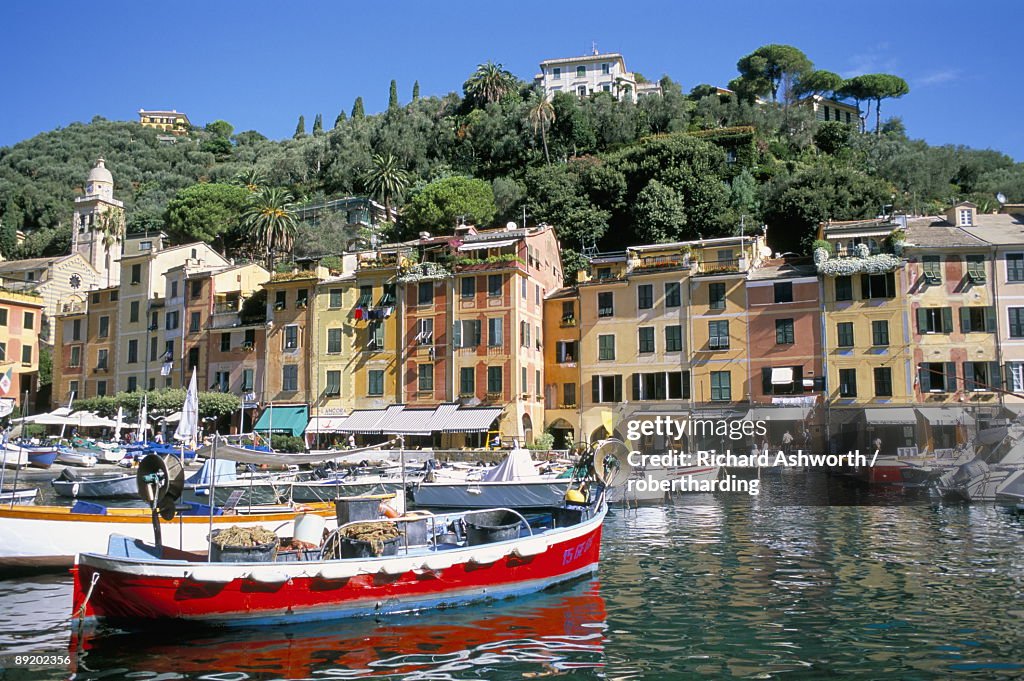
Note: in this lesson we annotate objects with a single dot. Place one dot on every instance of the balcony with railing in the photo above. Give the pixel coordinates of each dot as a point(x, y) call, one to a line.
point(659, 262)
point(722, 266)
point(491, 263)
point(372, 260)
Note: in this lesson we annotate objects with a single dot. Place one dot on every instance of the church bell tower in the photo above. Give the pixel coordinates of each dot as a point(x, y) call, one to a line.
point(98, 225)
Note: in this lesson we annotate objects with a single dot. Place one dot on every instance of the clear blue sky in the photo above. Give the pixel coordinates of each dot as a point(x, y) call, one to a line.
point(260, 64)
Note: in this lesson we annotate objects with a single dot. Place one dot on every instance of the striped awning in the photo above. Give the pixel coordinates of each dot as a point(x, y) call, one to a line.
point(327, 424)
point(409, 422)
point(364, 421)
point(476, 420)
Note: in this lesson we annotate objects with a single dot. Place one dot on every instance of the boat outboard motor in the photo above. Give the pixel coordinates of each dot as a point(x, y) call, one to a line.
point(160, 481)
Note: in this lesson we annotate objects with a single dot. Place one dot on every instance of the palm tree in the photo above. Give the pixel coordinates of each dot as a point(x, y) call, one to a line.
point(542, 115)
point(387, 179)
point(111, 226)
point(489, 83)
point(270, 221)
point(252, 179)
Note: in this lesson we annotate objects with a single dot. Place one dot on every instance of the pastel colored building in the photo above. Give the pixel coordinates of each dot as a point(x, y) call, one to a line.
point(784, 312)
point(867, 352)
point(583, 76)
point(174, 122)
point(21, 317)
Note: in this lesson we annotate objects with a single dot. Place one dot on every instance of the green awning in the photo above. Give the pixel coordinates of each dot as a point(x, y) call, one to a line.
point(286, 420)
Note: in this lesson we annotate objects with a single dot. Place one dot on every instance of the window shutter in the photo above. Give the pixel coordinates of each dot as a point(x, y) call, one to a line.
point(766, 380)
point(1007, 376)
point(947, 320)
point(636, 387)
point(990, 319)
point(922, 320)
point(457, 334)
point(965, 319)
point(995, 375)
point(618, 388)
point(595, 389)
point(890, 285)
point(924, 378)
point(686, 384)
point(865, 286)
point(968, 375)
point(950, 377)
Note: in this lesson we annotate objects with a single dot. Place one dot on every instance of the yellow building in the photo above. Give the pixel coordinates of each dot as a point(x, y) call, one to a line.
point(85, 360)
point(562, 374)
point(663, 330)
point(172, 121)
point(866, 339)
point(333, 354)
point(376, 333)
point(151, 315)
point(21, 317)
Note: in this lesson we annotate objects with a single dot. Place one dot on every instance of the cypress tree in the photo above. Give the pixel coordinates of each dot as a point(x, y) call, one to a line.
point(340, 119)
point(357, 108)
point(300, 129)
point(416, 91)
point(393, 97)
point(318, 125)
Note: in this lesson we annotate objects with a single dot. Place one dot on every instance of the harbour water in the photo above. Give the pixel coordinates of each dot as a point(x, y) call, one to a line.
point(774, 586)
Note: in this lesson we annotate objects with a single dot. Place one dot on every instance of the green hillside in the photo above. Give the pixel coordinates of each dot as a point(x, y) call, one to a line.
point(604, 172)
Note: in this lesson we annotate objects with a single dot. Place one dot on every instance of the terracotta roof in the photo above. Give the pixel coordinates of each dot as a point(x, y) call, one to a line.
point(935, 232)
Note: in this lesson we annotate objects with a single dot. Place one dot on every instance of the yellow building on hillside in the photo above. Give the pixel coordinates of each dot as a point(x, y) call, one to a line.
point(174, 122)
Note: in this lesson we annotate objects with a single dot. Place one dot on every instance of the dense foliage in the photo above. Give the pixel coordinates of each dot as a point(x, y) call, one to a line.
point(605, 173)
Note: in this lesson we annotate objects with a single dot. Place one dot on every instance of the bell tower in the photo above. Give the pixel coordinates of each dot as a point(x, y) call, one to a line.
point(98, 225)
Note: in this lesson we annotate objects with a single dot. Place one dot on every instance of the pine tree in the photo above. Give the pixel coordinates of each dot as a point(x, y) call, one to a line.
point(393, 97)
point(340, 119)
point(416, 91)
point(357, 109)
point(318, 125)
point(300, 129)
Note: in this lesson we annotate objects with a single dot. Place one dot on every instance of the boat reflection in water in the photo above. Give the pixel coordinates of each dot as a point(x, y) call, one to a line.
point(553, 632)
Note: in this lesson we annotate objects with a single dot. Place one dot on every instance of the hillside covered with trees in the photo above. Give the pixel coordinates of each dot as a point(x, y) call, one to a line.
point(678, 166)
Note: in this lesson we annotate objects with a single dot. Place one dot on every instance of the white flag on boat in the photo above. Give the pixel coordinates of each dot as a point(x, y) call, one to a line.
point(120, 423)
point(188, 426)
point(6, 406)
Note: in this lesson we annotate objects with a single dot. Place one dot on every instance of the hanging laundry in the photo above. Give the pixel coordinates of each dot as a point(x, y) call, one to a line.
point(358, 313)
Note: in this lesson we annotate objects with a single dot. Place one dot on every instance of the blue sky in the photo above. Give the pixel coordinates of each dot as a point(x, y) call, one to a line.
point(260, 64)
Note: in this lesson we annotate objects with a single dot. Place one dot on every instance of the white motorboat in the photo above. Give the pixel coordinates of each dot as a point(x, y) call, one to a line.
point(73, 457)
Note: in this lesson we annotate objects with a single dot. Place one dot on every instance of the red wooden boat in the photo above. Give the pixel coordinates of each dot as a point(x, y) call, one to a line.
point(136, 584)
point(564, 629)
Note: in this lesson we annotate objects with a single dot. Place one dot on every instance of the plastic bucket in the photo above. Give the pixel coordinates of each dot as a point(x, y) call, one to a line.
point(310, 528)
point(261, 553)
point(357, 548)
point(491, 526)
point(351, 509)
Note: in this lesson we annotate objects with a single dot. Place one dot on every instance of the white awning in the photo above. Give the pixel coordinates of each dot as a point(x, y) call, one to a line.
point(903, 416)
point(778, 414)
point(782, 375)
point(946, 416)
point(326, 424)
point(480, 245)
